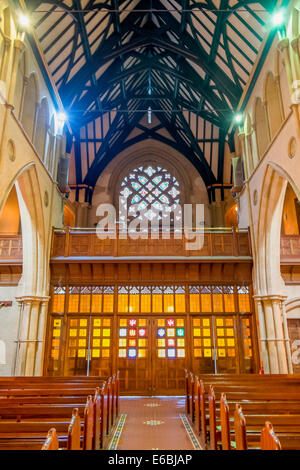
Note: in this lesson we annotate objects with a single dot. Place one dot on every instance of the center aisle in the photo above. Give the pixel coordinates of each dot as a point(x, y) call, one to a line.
point(153, 423)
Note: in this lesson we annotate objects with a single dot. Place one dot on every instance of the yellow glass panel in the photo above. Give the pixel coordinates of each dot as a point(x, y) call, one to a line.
point(180, 303)
point(168, 303)
point(123, 322)
point(145, 303)
point(231, 352)
point(58, 303)
point(56, 333)
point(105, 352)
point(180, 343)
point(161, 343)
point(206, 302)
point(96, 332)
point(123, 303)
point(221, 342)
point(230, 342)
point(108, 303)
point(72, 353)
point(96, 303)
point(142, 322)
point(206, 332)
point(57, 323)
point(73, 303)
point(97, 322)
point(197, 353)
point(197, 332)
point(132, 343)
point(82, 343)
point(229, 331)
point(73, 322)
point(229, 303)
point(122, 352)
point(96, 343)
point(218, 302)
point(142, 343)
point(122, 342)
point(81, 353)
point(161, 322)
point(196, 322)
point(221, 352)
point(95, 352)
point(82, 332)
point(157, 303)
point(85, 304)
point(220, 322)
point(106, 343)
point(207, 343)
point(194, 303)
point(244, 302)
point(106, 331)
point(83, 322)
point(220, 331)
point(106, 321)
point(55, 353)
point(73, 332)
point(161, 352)
point(142, 353)
point(134, 303)
point(180, 322)
point(206, 322)
point(207, 352)
point(171, 332)
point(55, 343)
point(198, 342)
point(180, 353)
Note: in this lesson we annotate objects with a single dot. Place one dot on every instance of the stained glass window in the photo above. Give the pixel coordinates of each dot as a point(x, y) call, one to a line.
point(150, 192)
point(133, 338)
point(170, 342)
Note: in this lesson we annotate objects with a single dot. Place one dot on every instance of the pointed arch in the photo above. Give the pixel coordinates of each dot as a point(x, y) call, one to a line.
point(42, 126)
point(273, 104)
point(30, 105)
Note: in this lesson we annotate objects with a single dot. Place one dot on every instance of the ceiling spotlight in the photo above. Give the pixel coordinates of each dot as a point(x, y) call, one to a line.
point(23, 20)
point(61, 117)
point(278, 18)
point(238, 118)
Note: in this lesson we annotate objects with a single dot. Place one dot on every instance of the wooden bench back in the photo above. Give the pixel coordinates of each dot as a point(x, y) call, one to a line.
point(202, 411)
point(268, 438)
point(74, 431)
point(240, 429)
point(51, 442)
point(88, 430)
point(225, 425)
point(212, 418)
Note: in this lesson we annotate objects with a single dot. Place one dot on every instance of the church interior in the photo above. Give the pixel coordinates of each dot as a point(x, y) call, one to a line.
point(128, 129)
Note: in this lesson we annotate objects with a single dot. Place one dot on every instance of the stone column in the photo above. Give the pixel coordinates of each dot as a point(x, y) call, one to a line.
point(41, 337)
point(18, 47)
point(5, 59)
point(296, 60)
point(271, 336)
point(262, 334)
point(242, 138)
point(281, 350)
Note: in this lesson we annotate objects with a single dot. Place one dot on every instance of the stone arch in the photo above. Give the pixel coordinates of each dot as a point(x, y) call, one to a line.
point(273, 101)
point(29, 105)
point(42, 127)
point(261, 128)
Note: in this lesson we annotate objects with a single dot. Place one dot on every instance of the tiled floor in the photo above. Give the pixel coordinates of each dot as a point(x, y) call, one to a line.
point(156, 423)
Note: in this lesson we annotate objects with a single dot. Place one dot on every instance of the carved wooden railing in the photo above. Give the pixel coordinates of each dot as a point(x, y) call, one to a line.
point(11, 247)
point(290, 248)
point(84, 243)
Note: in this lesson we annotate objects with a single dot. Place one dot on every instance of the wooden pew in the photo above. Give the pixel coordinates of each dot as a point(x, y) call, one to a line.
point(51, 442)
point(74, 431)
point(240, 429)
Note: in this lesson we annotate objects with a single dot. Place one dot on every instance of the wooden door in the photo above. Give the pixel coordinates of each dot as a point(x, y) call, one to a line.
point(134, 360)
point(203, 344)
point(226, 344)
point(88, 346)
point(168, 355)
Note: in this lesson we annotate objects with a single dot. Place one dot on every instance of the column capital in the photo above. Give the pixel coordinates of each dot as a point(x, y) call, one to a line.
point(19, 44)
point(32, 299)
point(280, 298)
point(283, 44)
point(295, 44)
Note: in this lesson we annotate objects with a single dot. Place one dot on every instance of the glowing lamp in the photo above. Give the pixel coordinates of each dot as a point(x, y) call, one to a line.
point(23, 20)
point(278, 18)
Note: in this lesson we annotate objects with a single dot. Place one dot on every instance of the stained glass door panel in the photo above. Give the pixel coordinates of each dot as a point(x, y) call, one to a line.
point(169, 354)
point(226, 344)
point(134, 354)
point(100, 355)
point(77, 346)
point(203, 344)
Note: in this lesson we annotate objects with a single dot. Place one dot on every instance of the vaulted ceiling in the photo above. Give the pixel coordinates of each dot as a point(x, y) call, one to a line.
point(168, 70)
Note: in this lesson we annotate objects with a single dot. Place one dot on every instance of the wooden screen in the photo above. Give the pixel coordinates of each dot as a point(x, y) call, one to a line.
point(151, 333)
